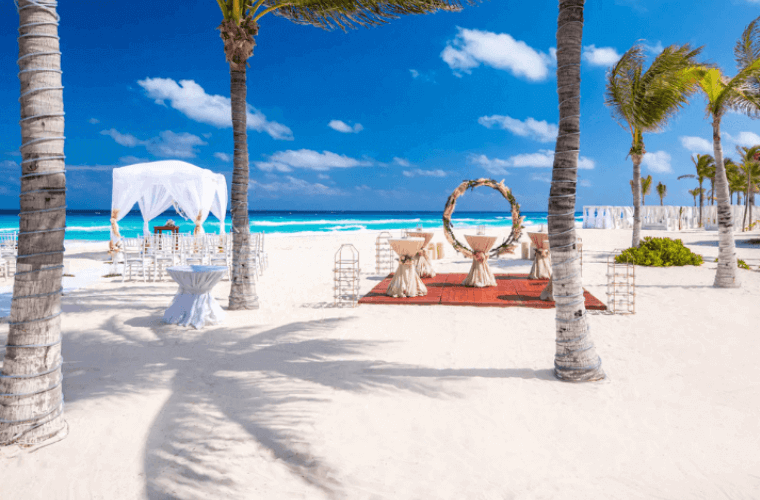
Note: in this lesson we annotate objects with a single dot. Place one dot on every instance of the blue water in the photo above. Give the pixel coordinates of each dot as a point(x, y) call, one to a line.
point(95, 224)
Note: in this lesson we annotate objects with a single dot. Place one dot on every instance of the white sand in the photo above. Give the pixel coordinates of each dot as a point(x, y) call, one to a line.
point(303, 400)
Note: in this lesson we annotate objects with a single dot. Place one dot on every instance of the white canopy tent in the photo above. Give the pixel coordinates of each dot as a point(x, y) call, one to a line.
point(158, 185)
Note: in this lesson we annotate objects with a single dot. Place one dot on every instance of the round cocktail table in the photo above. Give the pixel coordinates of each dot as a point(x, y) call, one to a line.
point(406, 282)
point(480, 274)
point(193, 305)
point(422, 264)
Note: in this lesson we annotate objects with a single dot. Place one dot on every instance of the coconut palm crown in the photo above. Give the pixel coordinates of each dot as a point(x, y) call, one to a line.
point(238, 29)
point(644, 101)
point(749, 174)
point(705, 167)
point(662, 191)
point(742, 94)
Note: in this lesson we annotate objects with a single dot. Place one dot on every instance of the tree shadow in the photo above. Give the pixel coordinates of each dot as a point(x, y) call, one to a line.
point(264, 387)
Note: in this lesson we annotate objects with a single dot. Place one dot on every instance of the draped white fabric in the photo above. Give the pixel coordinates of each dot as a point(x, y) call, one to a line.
point(193, 305)
point(406, 282)
point(156, 186)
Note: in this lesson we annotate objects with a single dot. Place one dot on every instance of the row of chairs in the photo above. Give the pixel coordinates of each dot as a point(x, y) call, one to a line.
point(154, 253)
point(8, 251)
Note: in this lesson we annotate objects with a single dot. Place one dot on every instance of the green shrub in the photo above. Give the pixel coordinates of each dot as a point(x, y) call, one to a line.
point(740, 263)
point(660, 252)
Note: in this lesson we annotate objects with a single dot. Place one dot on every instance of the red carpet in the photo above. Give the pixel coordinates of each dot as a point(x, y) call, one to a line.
point(512, 290)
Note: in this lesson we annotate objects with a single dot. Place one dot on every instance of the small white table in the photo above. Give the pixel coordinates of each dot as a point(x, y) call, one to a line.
point(193, 305)
point(480, 274)
point(406, 282)
point(422, 264)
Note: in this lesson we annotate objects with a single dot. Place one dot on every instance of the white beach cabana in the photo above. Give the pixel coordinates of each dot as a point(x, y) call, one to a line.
point(194, 192)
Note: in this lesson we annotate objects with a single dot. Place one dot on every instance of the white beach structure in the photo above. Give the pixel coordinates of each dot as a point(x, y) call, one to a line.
point(194, 192)
point(661, 218)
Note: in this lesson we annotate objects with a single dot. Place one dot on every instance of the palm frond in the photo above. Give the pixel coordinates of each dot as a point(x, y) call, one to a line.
point(742, 92)
point(747, 48)
point(343, 14)
point(619, 95)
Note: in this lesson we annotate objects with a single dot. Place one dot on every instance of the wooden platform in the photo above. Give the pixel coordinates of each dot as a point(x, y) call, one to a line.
point(512, 290)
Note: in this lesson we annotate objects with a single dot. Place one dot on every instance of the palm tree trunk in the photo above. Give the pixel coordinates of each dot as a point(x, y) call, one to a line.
point(575, 358)
point(726, 275)
point(243, 289)
point(636, 200)
point(701, 202)
point(31, 396)
point(746, 197)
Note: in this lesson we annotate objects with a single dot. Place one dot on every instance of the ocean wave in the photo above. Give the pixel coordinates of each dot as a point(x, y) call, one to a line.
point(88, 228)
point(331, 222)
point(350, 226)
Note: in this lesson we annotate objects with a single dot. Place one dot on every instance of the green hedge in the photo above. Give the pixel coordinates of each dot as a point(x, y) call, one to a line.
point(660, 252)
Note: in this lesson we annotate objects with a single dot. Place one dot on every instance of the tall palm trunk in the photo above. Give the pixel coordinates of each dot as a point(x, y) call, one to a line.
point(726, 275)
point(746, 197)
point(243, 289)
point(636, 200)
point(701, 201)
point(575, 358)
point(238, 37)
point(31, 397)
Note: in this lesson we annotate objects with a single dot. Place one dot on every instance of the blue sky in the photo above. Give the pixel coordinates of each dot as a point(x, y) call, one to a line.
point(388, 118)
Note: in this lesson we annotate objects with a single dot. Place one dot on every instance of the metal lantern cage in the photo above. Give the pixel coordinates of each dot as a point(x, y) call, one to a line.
point(383, 254)
point(621, 285)
point(346, 281)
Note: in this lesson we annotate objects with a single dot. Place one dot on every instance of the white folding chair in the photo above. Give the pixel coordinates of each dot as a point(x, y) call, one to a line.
point(134, 257)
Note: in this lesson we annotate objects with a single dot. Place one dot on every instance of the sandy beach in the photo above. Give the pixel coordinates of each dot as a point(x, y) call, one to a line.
point(302, 400)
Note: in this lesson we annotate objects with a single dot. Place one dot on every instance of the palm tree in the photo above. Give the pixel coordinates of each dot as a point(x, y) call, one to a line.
point(737, 181)
point(238, 29)
point(31, 405)
point(575, 357)
point(696, 192)
point(662, 191)
point(750, 166)
point(740, 93)
point(646, 188)
point(705, 167)
point(644, 101)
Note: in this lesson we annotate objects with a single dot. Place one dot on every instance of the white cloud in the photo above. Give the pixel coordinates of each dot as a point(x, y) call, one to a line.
point(94, 121)
point(92, 168)
point(323, 176)
point(600, 56)
point(544, 158)
point(584, 183)
point(167, 144)
point(8, 164)
point(541, 131)
point(471, 48)
point(131, 160)
point(655, 49)
point(285, 161)
point(541, 177)
point(401, 161)
point(696, 144)
point(190, 99)
point(424, 173)
point(223, 156)
point(127, 140)
point(746, 139)
point(298, 186)
point(171, 145)
point(658, 162)
point(341, 126)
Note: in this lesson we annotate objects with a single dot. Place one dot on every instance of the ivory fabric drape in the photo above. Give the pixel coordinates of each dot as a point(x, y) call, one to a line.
point(156, 186)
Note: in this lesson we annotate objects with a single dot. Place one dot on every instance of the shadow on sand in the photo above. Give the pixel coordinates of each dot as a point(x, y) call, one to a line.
point(264, 385)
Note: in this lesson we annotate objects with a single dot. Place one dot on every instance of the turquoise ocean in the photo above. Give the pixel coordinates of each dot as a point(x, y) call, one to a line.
point(94, 225)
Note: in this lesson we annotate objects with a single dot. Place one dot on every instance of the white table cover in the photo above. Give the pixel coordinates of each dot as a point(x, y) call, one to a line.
point(542, 259)
point(193, 305)
point(480, 274)
point(422, 264)
point(406, 282)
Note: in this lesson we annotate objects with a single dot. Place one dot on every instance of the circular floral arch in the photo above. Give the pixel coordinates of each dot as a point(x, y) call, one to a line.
point(509, 244)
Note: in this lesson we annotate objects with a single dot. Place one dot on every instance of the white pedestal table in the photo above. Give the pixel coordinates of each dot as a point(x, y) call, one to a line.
point(480, 274)
point(193, 305)
point(406, 282)
point(422, 264)
point(542, 260)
